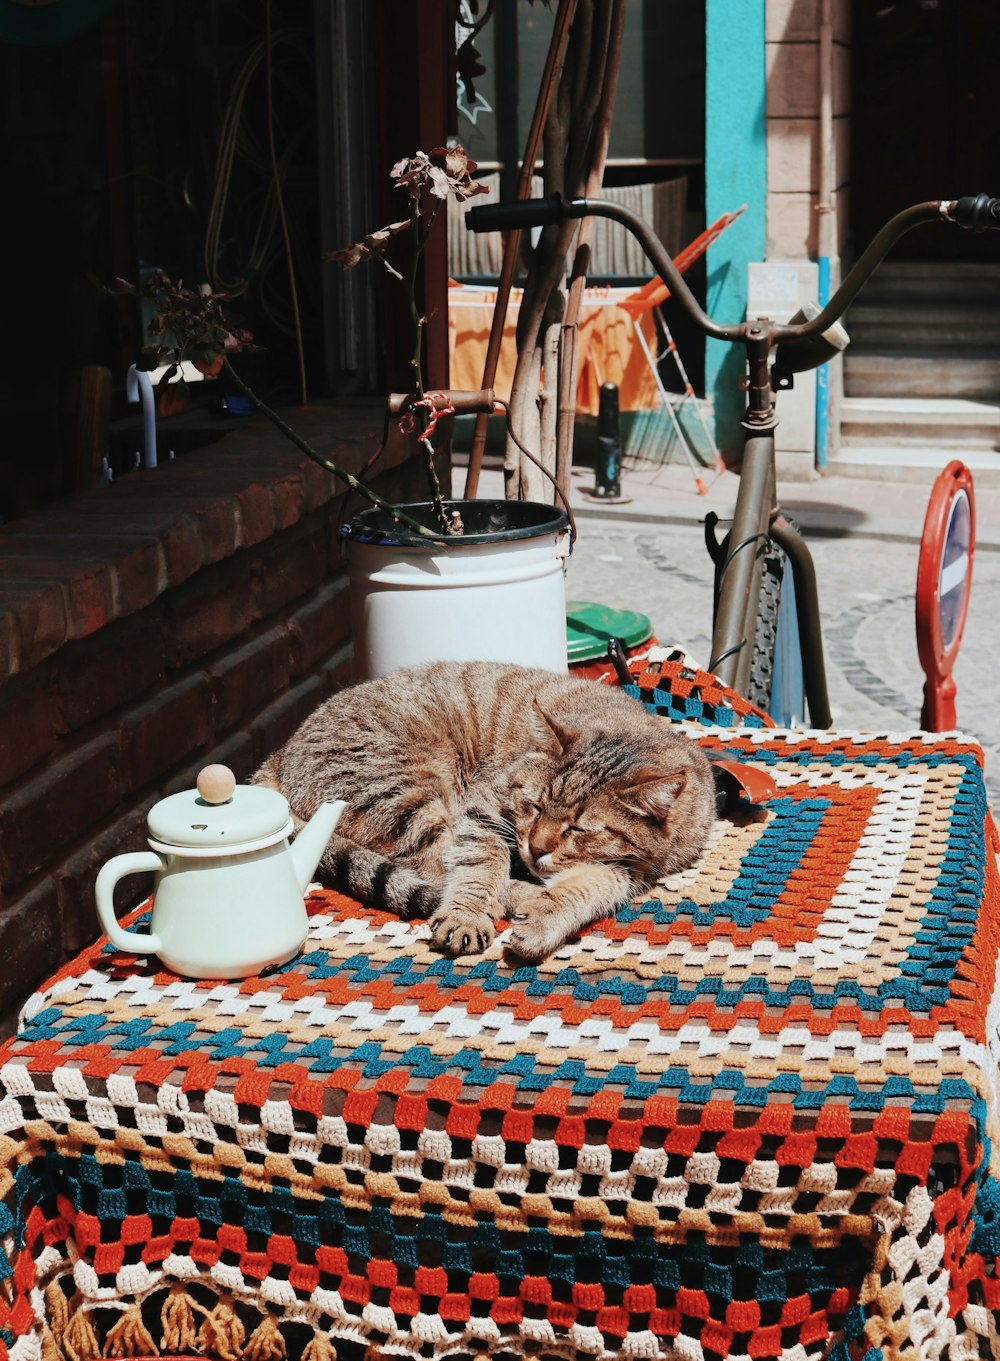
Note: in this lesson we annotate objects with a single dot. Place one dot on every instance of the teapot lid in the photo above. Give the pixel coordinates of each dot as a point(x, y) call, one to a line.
point(219, 814)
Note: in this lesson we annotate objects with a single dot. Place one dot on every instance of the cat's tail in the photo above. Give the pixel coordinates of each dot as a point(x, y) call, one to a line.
point(372, 879)
point(358, 871)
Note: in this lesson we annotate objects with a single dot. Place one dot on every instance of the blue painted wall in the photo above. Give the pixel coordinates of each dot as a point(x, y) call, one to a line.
point(735, 173)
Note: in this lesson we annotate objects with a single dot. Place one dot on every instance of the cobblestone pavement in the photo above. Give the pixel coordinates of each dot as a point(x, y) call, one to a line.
point(867, 603)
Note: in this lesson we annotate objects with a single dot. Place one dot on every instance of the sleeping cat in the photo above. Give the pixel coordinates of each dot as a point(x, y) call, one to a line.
point(460, 775)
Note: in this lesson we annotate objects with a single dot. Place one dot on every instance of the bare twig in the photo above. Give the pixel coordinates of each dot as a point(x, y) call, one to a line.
point(512, 242)
point(581, 261)
point(400, 517)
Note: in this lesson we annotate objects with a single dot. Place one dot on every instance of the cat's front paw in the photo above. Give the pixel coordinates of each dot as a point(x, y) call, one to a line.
point(534, 935)
point(461, 930)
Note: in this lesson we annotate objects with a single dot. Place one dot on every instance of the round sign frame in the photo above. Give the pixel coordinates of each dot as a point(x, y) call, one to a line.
point(951, 494)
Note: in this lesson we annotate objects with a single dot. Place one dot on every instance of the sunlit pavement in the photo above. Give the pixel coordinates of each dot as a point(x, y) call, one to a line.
point(648, 554)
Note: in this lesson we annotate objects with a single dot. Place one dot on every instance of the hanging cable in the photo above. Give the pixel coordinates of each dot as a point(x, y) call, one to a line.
point(276, 180)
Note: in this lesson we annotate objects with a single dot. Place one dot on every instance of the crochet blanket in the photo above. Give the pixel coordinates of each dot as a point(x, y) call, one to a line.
point(754, 1115)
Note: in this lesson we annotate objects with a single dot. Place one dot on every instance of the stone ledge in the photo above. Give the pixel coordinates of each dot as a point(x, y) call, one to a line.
point(75, 567)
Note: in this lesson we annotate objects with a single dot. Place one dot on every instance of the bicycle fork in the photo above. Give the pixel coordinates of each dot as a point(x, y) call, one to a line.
point(756, 520)
point(740, 564)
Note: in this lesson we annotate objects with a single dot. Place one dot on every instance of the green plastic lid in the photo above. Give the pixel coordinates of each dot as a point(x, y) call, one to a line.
point(590, 627)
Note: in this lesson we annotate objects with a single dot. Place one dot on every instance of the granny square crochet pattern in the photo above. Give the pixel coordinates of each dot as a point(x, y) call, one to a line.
point(755, 1115)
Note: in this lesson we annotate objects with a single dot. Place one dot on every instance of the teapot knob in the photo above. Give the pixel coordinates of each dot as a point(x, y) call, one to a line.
point(216, 784)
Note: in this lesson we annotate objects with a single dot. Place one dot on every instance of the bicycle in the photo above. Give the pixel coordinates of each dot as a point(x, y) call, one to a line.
point(747, 583)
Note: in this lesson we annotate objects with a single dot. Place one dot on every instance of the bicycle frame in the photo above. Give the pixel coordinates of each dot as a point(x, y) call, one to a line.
point(800, 346)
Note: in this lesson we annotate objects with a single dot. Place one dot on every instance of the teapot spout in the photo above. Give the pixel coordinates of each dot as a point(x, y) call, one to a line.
point(308, 847)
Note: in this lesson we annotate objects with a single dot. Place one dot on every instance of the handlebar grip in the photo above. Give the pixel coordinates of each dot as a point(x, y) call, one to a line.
point(451, 401)
point(513, 216)
point(979, 213)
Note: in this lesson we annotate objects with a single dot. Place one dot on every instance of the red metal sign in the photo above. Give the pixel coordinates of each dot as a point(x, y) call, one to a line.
point(944, 582)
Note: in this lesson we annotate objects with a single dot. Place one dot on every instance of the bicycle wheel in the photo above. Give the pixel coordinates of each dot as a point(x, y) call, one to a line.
point(777, 660)
point(776, 678)
point(765, 638)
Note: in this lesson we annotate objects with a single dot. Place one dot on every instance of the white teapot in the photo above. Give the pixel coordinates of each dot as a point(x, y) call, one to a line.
point(229, 889)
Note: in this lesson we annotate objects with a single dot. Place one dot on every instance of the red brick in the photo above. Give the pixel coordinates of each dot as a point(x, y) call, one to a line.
point(256, 514)
point(167, 548)
point(100, 674)
point(320, 625)
point(38, 611)
point(218, 526)
point(104, 520)
point(288, 568)
point(206, 485)
point(132, 562)
point(246, 680)
point(27, 723)
point(41, 817)
point(288, 496)
point(160, 733)
point(86, 582)
point(336, 671)
point(29, 944)
point(321, 486)
point(213, 512)
point(139, 571)
point(10, 646)
point(74, 879)
point(208, 612)
point(318, 484)
point(275, 725)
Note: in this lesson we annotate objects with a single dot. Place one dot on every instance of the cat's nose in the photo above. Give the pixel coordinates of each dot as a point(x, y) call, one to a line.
point(541, 840)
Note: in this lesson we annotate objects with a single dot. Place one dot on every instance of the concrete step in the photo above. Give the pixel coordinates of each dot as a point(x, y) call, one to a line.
point(891, 374)
point(950, 422)
point(921, 281)
point(910, 463)
point(960, 333)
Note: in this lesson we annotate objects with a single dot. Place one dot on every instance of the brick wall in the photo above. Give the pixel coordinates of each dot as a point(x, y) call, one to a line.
point(193, 613)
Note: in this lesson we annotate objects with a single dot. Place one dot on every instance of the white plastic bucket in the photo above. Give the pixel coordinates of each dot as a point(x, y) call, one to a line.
point(494, 594)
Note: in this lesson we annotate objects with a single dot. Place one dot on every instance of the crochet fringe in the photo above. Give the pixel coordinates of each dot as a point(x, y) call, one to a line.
point(321, 1348)
point(266, 1342)
point(80, 1338)
point(130, 1336)
point(222, 1333)
point(73, 1336)
point(177, 1318)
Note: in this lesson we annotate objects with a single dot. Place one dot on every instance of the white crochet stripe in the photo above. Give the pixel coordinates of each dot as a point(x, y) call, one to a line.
point(497, 1037)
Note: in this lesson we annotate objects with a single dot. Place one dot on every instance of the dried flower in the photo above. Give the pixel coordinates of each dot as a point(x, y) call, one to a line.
point(444, 170)
point(195, 321)
point(372, 247)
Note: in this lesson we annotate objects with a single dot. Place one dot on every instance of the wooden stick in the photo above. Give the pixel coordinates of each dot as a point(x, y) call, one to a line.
point(512, 241)
point(581, 260)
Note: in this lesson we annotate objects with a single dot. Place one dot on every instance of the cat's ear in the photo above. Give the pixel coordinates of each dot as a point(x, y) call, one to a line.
point(653, 794)
point(558, 732)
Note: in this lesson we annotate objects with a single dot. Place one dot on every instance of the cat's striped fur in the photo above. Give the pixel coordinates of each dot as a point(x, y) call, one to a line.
point(478, 791)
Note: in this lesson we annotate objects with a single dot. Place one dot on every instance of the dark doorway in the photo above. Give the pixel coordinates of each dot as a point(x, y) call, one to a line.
point(925, 117)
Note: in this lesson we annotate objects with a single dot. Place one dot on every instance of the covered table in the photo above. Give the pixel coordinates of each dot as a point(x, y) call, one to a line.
point(750, 1117)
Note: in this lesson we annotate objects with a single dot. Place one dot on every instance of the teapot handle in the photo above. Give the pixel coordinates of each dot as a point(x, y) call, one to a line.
point(136, 862)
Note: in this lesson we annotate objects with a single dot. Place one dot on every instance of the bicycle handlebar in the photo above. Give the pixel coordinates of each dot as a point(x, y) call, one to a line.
point(981, 213)
point(978, 213)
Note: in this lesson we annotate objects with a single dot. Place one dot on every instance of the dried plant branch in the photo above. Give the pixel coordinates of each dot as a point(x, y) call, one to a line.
point(575, 149)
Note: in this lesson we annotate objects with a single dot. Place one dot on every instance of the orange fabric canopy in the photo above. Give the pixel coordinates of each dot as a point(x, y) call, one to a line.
point(608, 351)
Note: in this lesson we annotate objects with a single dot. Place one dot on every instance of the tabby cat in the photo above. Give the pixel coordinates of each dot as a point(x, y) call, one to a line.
point(478, 791)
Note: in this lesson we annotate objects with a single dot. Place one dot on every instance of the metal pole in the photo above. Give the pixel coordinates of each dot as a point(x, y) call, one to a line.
point(608, 472)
